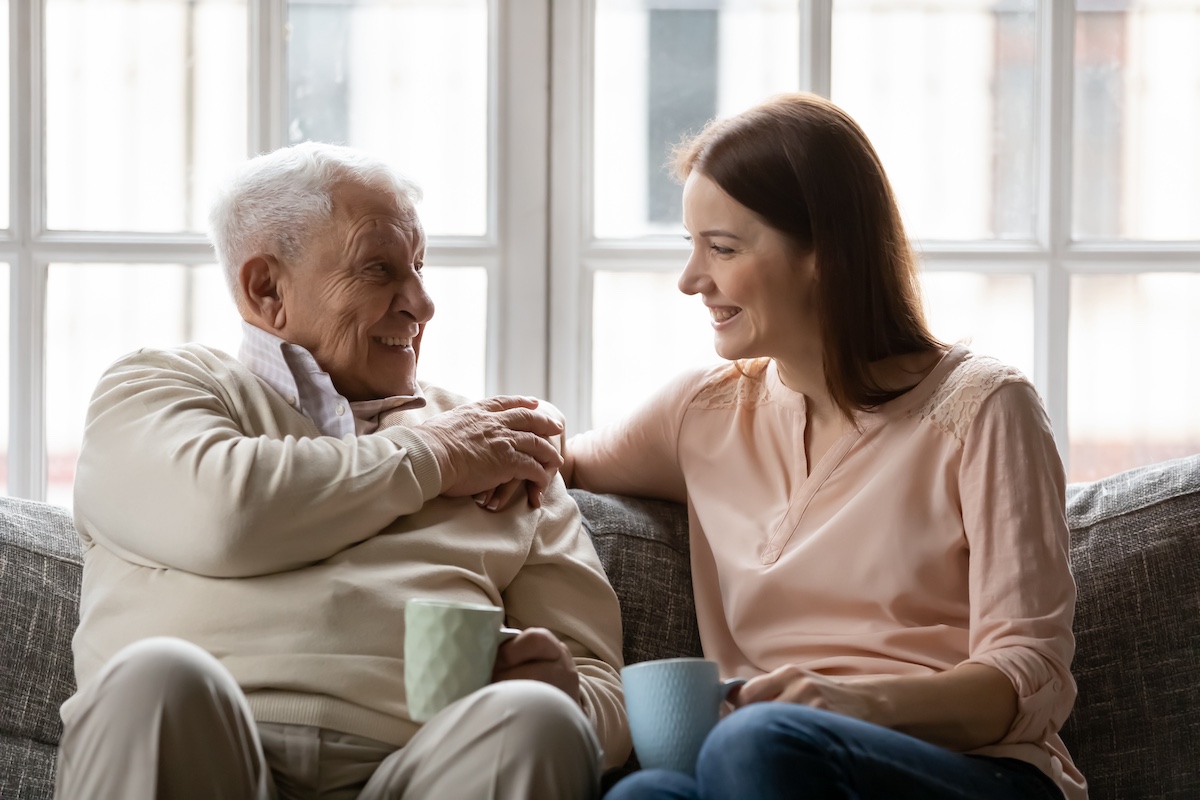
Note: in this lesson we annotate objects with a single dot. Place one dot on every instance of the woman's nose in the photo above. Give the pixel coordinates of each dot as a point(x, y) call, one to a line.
point(692, 277)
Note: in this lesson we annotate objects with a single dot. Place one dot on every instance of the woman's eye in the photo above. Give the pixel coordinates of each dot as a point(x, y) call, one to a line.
point(722, 251)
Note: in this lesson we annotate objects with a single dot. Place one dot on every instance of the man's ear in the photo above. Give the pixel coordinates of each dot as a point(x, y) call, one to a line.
point(259, 279)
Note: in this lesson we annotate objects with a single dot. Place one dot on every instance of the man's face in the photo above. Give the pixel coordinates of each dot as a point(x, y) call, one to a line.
point(356, 298)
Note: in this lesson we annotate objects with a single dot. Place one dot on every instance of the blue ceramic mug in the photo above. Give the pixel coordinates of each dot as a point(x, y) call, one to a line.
point(672, 704)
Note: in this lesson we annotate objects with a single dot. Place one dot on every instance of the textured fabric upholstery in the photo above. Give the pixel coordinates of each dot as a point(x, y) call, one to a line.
point(1135, 549)
point(644, 547)
point(1135, 731)
point(40, 571)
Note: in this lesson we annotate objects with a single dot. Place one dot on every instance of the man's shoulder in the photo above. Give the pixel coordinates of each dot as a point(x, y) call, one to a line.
point(438, 399)
point(180, 356)
point(190, 363)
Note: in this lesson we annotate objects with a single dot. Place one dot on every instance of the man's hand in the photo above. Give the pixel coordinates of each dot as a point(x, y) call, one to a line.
point(502, 496)
point(537, 655)
point(489, 443)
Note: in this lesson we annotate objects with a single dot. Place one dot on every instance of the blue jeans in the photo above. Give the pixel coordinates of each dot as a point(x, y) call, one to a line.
point(778, 750)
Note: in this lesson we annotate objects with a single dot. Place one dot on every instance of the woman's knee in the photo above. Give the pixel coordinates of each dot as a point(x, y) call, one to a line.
point(654, 784)
point(764, 740)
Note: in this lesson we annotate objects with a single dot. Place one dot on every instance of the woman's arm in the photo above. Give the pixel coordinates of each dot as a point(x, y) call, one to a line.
point(1022, 593)
point(964, 708)
point(638, 455)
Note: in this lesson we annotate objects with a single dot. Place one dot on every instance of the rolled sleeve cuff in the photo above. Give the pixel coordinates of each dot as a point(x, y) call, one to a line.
point(1045, 693)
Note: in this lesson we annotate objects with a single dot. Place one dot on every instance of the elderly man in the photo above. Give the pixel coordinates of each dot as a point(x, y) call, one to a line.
point(253, 528)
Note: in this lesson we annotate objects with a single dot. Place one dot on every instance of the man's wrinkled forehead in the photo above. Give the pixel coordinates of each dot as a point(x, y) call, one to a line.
point(354, 204)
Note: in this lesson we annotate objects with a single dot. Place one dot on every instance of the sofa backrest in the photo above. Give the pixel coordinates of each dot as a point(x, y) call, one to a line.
point(40, 571)
point(1135, 551)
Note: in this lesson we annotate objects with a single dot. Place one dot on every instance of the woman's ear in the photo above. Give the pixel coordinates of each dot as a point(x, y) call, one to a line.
point(259, 280)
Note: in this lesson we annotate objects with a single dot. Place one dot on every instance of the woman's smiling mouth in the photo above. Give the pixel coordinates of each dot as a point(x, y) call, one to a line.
point(722, 314)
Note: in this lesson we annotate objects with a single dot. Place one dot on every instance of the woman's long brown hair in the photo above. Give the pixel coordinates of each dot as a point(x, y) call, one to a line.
point(808, 170)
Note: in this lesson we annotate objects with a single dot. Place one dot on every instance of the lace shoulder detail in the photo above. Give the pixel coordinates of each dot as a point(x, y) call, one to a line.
point(956, 402)
point(737, 386)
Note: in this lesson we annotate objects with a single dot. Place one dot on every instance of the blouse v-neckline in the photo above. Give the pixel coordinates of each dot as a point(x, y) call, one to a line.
point(806, 489)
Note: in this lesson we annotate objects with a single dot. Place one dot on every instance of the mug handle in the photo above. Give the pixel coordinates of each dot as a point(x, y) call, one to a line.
point(728, 686)
point(507, 633)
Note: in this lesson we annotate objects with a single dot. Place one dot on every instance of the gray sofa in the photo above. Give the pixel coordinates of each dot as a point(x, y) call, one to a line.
point(1135, 731)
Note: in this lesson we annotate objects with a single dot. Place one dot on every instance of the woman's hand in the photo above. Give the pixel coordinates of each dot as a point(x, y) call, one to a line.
point(537, 655)
point(792, 684)
point(964, 708)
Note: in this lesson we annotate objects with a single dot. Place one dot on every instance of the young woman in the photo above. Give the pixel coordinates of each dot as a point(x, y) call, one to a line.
point(878, 532)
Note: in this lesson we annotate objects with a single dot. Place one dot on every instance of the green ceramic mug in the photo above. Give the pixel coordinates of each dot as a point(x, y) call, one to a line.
point(449, 650)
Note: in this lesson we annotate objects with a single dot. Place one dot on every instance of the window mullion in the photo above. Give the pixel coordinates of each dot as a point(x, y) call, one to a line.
point(1053, 292)
point(816, 46)
point(267, 91)
point(572, 59)
point(519, 105)
point(27, 295)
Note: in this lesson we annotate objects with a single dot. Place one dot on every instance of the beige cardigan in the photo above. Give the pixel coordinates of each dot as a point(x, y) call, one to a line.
point(210, 510)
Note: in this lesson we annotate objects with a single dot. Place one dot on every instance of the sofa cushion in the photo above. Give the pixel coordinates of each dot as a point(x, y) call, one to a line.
point(40, 571)
point(643, 545)
point(1135, 549)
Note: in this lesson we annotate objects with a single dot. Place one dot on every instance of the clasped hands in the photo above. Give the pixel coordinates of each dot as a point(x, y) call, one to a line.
point(793, 684)
point(501, 442)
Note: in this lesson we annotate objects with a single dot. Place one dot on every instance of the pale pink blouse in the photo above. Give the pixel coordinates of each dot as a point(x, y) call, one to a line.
point(933, 535)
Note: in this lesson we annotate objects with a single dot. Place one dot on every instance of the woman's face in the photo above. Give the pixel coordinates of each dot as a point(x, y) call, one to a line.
point(759, 288)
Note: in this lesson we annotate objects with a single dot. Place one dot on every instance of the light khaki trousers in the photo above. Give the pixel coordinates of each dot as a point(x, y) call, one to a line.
point(165, 721)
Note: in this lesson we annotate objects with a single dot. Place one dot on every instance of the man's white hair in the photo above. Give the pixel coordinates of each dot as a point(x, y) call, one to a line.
point(275, 202)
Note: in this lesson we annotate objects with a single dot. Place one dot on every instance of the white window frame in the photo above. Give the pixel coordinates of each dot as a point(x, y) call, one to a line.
point(539, 251)
point(1050, 260)
point(513, 251)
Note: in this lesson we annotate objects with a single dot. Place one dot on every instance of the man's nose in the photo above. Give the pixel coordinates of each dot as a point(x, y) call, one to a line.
point(411, 298)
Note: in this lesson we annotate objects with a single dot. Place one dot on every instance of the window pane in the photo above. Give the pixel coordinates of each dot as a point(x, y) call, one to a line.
point(454, 347)
point(95, 313)
point(664, 71)
point(627, 359)
point(946, 90)
point(1137, 120)
point(992, 314)
point(1132, 385)
point(4, 379)
point(4, 112)
point(406, 80)
point(145, 110)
